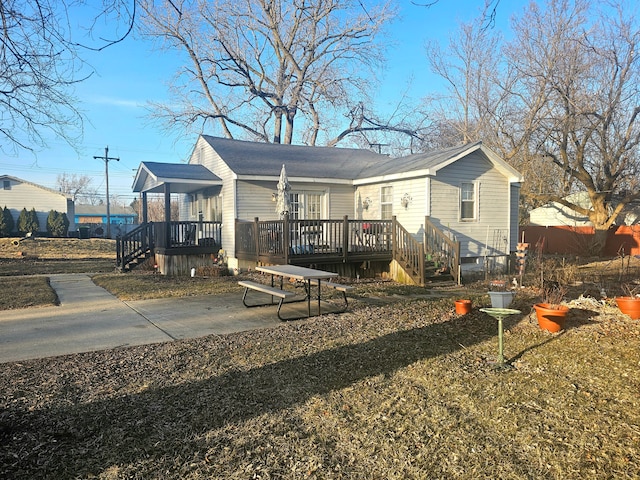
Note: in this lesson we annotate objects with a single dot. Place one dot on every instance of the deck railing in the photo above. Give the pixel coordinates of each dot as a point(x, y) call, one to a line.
point(441, 249)
point(135, 244)
point(188, 236)
point(284, 240)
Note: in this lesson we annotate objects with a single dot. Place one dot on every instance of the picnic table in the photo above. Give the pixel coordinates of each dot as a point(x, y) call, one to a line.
point(310, 277)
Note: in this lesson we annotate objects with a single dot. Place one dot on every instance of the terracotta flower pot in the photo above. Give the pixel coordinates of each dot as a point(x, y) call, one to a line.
point(629, 306)
point(463, 307)
point(551, 319)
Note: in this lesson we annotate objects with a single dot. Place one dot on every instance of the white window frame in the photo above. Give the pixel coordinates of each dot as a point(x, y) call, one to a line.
point(474, 217)
point(386, 199)
point(300, 205)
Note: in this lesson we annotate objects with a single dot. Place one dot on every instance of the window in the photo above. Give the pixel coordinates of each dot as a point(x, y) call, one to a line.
point(386, 203)
point(7, 184)
point(467, 201)
point(313, 208)
point(216, 208)
point(306, 206)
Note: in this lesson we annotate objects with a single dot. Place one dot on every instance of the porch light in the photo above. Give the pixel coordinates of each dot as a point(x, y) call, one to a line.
point(274, 197)
point(405, 200)
point(366, 203)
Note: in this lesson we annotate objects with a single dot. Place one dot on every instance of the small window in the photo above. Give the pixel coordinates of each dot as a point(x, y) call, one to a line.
point(7, 184)
point(467, 201)
point(386, 203)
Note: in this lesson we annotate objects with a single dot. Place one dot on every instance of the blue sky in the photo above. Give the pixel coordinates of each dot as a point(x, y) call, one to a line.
point(130, 74)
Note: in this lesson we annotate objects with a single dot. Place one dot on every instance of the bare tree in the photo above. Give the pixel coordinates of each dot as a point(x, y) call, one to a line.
point(266, 69)
point(78, 187)
point(469, 67)
point(39, 64)
point(578, 98)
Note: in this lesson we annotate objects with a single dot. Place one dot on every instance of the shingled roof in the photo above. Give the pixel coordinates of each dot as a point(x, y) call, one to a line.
point(185, 178)
point(266, 159)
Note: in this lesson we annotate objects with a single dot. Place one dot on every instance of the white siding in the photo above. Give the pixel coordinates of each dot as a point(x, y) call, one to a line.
point(488, 234)
point(411, 217)
point(26, 195)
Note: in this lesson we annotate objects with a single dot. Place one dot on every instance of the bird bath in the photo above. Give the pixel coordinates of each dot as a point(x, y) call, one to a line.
point(500, 314)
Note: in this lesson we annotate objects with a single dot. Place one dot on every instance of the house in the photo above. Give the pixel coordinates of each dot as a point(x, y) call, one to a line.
point(17, 194)
point(557, 229)
point(118, 215)
point(466, 192)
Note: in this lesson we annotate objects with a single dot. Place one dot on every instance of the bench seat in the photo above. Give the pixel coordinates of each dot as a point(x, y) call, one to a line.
point(336, 286)
point(269, 290)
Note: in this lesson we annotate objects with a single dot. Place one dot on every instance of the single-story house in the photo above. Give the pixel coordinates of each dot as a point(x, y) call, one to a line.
point(467, 192)
point(17, 194)
point(118, 215)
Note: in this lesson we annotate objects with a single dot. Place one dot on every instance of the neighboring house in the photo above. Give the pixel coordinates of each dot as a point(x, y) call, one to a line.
point(98, 214)
point(554, 214)
point(557, 229)
point(17, 194)
point(468, 191)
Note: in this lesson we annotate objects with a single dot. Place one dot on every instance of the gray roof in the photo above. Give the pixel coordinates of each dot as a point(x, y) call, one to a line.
point(184, 178)
point(256, 158)
point(83, 209)
point(179, 170)
point(418, 161)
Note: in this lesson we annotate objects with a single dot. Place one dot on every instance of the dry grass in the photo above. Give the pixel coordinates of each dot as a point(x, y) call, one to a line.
point(141, 286)
point(46, 256)
point(398, 388)
point(23, 292)
point(399, 391)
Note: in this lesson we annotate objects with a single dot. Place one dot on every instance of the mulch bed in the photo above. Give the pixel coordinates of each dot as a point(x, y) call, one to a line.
point(404, 389)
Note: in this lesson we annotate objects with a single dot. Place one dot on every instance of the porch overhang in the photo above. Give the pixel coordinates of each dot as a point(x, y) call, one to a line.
point(153, 177)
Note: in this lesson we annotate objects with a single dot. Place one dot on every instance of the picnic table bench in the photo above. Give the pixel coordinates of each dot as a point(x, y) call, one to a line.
point(269, 290)
point(339, 287)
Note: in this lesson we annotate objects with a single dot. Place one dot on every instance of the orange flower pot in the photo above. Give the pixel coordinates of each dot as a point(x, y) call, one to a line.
point(629, 306)
point(551, 319)
point(463, 307)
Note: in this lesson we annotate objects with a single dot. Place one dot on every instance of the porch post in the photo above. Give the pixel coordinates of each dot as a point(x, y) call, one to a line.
point(145, 210)
point(167, 215)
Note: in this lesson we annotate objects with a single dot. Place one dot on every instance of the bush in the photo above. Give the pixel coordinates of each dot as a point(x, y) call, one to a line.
point(57, 224)
point(28, 221)
point(6, 222)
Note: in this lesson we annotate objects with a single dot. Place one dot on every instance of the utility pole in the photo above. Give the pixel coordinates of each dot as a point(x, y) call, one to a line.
point(106, 159)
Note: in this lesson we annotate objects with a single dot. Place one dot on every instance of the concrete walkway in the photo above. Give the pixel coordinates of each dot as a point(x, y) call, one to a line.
point(89, 318)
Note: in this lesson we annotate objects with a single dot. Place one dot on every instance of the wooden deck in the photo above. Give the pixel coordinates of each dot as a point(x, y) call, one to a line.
point(343, 242)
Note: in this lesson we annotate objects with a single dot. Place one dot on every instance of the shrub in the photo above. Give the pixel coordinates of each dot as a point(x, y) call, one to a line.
point(6, 222)
point(57, 224)
point(28, 221)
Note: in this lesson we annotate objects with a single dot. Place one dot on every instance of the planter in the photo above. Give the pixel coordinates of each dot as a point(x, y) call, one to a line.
point(629, 306)
point(463, 307)
point(501, 299)
point(551, 319)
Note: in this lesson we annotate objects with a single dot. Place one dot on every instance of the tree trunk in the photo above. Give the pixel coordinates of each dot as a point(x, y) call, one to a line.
point(599, 240)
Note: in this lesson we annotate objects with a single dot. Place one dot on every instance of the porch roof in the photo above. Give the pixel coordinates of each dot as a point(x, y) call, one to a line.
point(182, 178)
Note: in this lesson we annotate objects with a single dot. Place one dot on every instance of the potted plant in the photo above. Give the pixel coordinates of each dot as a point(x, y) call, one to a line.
point(551, 314)
point(629, 304)
point(500, 296)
